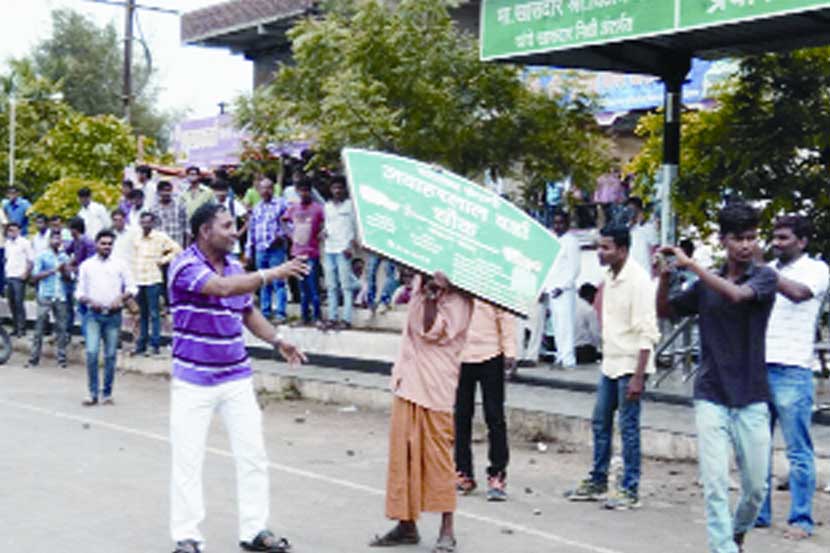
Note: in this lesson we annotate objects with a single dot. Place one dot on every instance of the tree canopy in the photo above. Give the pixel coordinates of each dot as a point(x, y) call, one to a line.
point(404, 79)
point(86, 60)
point(767, 141)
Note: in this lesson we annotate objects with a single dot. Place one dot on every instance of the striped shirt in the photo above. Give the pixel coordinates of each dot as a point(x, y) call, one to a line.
point(208, 345)
point(266, 225)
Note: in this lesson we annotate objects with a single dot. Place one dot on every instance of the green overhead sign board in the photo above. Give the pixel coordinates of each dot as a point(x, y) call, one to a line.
point(521, 27)
point(433, 220)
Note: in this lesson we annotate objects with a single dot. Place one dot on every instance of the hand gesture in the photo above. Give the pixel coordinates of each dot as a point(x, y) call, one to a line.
point(296, 267)
point(291, 353)
point(681, 260)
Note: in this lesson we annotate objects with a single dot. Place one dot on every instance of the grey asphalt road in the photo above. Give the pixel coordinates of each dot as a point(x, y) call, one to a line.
point(93, 480)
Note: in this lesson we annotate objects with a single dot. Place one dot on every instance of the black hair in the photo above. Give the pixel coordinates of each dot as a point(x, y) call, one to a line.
point(12, 189)
point(687, 246)
point(164, 184)
point(135, 193)
point(57, 233)
point(801, 226)
point(55, 218)
point(144, 170)
point(41, 217)
point(127, 182)
point(559, 212)
point(588, 292)
point(304, 183)
point(203, 215)
point(621, 235)
point(220, 184)
point(147, 214)
point(76, 223)
point(191, 169)
point(737, 217)
point(12, 224)
point(106, 233)
point(84, 192)
point(118, 211)
point(635, 201)
point(338, 179)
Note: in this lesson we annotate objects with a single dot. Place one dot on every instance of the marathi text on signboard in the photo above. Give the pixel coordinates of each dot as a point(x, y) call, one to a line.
point(433, 220)
point(521, 27)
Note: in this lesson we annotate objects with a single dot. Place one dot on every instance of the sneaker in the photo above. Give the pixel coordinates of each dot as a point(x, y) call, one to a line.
point(623, 500)
point(156, 352)
point(496, 488)
point(464, 484)
point(107, 401)
point(90, 401)
point(587, 490)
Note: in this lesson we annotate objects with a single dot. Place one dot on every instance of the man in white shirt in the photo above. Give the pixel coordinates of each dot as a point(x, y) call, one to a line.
point(629, 334)
point(144, 182)
point(104, 284)
point(40, 239)
point(19, 259)
point(588, 337)
point(802, 285)
point(644, 237)
point(563, 290)
point(124, 246)
point(95, 216)
point(340, 242)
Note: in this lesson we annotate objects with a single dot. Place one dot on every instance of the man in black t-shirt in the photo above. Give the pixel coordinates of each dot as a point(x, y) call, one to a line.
point(731, 391)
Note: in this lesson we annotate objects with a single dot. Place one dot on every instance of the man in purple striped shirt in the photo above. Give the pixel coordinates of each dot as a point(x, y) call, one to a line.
point(211, 301)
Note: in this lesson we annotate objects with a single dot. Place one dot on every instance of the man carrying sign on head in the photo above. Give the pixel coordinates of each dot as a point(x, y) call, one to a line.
point(421, 474)
point(211, 300)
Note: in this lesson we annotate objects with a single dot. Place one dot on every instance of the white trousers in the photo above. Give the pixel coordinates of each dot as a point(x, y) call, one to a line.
point(535, 326)
point(563, 312)
point(191, 411)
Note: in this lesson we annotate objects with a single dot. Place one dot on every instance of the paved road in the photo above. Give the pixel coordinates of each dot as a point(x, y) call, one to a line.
point(95, 480)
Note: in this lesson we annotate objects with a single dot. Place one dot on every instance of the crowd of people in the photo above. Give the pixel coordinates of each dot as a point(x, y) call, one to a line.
point(187, 244)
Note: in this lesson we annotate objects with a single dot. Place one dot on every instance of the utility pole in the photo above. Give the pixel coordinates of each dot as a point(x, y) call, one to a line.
point(128, 58)
point(129, 18)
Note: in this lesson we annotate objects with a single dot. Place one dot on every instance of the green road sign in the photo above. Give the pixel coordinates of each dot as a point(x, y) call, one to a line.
point(521, 27)
point(433, 220)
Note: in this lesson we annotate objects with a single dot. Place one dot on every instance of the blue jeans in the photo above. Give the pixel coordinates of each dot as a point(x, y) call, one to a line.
point(2, 271)
point(746, 429)
point(266, 259)
point(100, 326)
point(148, 302)
point(337, 268)
point(69, 292)
point(792, 407)
point(611, 397)
point(309, 295)
point(390, 283)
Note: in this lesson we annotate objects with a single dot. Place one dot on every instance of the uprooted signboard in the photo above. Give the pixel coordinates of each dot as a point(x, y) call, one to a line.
point(433, 220)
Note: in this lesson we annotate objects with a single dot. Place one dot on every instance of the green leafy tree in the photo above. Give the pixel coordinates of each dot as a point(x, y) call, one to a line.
point(767, 141)
point(404, 79)
point(61, 198)
point(86, 60)
point(36, 114)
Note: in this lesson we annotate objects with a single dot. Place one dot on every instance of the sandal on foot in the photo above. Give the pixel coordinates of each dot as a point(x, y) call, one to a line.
point(395, 536)
point(187, 546)
point(266, 541)
point(445, 544)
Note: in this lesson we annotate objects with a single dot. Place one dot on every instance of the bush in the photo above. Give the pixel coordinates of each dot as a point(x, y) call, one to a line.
point(61, 197)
